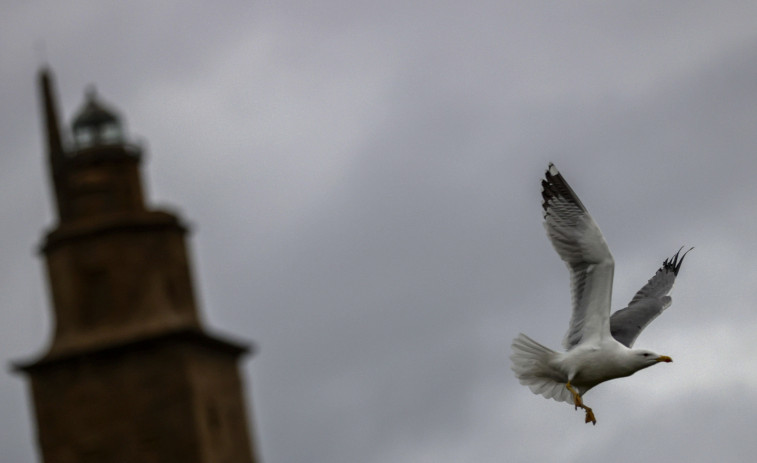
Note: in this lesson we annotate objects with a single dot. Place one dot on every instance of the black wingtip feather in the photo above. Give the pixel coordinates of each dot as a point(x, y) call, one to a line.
point(554, 186)
point(673, 264)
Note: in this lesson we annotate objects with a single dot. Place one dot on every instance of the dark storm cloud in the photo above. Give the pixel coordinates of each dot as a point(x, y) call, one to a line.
point(364, 184)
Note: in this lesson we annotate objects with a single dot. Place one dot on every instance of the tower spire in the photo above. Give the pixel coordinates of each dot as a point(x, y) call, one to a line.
point(53, 134)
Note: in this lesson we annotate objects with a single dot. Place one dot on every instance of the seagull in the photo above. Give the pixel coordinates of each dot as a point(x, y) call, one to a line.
point(598, 346)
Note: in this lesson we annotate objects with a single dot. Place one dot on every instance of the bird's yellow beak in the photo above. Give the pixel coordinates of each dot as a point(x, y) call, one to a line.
point(664, 358)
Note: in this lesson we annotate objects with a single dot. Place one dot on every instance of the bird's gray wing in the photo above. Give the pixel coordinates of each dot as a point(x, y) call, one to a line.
point(579, 242)
point(626, 324)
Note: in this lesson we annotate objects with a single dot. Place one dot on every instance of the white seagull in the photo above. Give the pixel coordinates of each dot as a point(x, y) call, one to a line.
point(598, 346)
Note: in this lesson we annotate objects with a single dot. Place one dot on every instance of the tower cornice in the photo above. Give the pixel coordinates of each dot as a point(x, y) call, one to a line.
point(181, 335)
point(117, 222)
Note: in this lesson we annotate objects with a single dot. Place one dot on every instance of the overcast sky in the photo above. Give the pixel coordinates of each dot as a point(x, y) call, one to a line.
point(363, 183)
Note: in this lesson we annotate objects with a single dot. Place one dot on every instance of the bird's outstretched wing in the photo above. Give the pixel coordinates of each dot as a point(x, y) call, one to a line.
point(626, 324)
point(579, 242)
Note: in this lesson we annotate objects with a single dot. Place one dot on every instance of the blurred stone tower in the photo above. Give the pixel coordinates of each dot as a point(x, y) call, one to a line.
point(131, 374)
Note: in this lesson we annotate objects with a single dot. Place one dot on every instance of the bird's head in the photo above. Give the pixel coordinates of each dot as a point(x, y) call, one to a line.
point(646, 358)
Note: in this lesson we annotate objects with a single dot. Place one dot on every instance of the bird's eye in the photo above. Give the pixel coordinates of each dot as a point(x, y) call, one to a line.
point(646, 354)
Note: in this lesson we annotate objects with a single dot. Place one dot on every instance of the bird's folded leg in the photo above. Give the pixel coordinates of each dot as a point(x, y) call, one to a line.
point(577, 402)
point(576, 398)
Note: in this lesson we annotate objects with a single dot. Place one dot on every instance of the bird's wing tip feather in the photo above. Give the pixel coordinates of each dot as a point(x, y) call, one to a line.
point(674, 263)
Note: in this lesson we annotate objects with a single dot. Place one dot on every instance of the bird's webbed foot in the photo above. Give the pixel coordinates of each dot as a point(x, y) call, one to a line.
point(578, 402)
point(590, 416)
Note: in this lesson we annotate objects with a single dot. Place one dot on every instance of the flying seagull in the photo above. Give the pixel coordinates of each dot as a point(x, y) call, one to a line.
point(598, 346)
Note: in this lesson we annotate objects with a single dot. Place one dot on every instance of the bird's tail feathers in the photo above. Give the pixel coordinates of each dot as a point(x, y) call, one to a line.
point(531, 364)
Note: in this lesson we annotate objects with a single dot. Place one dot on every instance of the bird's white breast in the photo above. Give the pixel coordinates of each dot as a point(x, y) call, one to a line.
point(594, 364)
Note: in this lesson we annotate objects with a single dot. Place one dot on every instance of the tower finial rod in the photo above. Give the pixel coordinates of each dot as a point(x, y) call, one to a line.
point(52, 125)
point(52, 131)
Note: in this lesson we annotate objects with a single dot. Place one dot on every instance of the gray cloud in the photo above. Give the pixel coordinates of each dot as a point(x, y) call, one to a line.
point(364, 184)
